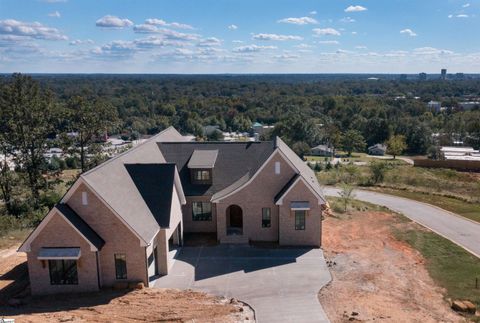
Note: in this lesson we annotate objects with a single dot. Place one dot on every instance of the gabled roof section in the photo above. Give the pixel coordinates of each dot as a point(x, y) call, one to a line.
point(203, 159)
point(307, 174)
point(236, 162)
point(72, 218)
point(156, 183)
point(112, 182)
point(286, 187)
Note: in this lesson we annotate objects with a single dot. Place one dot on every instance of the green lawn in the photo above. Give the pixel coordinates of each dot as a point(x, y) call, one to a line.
point(466, 209)
point(449, 265)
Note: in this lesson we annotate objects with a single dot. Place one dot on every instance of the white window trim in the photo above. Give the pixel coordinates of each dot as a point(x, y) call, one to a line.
point(84, 198)
point(277, 168)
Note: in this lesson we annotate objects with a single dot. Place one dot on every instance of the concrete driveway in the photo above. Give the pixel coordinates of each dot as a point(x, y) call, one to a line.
point(280, 284)
point(463, 232)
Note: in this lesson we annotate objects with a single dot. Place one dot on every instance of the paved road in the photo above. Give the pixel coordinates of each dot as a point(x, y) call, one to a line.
point(459, 230)
point(280, 284)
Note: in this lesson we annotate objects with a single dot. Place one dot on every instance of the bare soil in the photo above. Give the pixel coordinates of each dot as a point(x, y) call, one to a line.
point(145, 305)
point(375, 276)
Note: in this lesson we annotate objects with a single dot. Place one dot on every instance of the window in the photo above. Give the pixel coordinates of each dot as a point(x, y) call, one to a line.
point(63, 272)
point(120, 266)
point(201, 211)
point(277, 168)
point(300, 220)
point(84, 198)
point(202, 175)
point(266, 217)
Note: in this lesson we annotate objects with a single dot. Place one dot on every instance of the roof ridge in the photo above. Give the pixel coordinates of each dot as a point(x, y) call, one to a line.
point(126, 152)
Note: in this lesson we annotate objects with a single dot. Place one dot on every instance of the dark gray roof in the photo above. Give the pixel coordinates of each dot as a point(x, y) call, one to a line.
point(286, 187)
point(235, 161)
point(81, 225)
point(203, 158)
point(155, 183)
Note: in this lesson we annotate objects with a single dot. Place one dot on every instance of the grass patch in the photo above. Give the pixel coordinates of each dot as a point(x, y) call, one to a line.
point(449, 265)
point(463, 208)
point(337, 206)
point(13, 238)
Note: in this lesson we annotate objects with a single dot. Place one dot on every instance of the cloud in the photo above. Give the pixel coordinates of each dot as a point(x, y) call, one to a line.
point(432, 51)
point(77, 42)
point(30, 29)
point(303, 46)
point(347, 20)
point(209, 42)
point(275, 37)
point(160, 22)
point(233, 27)
point(328, 42)
point(409, 32)
point(462, 16)
point(354, 33)
point(252, 48)
point(286, 56)
point(312, 13)
point(326, 32)
point(109, 21)
point(298, 21)
point(166, 33)
point(466, 5)
point(355, 9)
point(361, 47)
point(54, 14)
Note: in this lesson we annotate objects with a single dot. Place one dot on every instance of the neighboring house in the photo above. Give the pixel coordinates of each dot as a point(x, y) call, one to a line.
point(460, 153)
point(123, 220)
point(377, 150)
point(322, 150)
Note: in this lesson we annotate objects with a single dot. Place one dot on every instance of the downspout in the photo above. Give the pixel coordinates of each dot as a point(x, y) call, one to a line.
point(146, 268)
point(98, 270)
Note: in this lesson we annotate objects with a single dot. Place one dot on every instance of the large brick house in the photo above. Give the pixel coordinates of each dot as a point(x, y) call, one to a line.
point(122, 220)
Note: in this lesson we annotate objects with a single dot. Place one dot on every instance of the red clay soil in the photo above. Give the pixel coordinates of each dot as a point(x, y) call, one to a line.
point(375, 276)
point(145, 305)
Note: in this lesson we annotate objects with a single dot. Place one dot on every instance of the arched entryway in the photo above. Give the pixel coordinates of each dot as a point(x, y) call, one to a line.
point(234, 220)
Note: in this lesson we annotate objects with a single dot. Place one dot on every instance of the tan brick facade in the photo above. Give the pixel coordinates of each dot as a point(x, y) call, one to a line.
point(198, 226)
point(118, 238)
point(59, 233)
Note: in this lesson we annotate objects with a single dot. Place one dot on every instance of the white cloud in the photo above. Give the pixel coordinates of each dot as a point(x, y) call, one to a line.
point(81, 42)
point(303, 46)
point(462, 16)
point(30, 29)
point(109, 21)
point(275, 37)
point(409, 32)
point(252, 48)
point(328, 42)
point(354, 33)
point(160, 22)
point(167, 33)
point(236, 41)
point(361, 47)
point(209, 42)
point(286, 56)
point(355, 9)
point(233, 27)
point(347, 20)
point(298, 21)
point(466, 5)
point(54, 14)
point(326, 32)
point(432, 51)
point(313, 12)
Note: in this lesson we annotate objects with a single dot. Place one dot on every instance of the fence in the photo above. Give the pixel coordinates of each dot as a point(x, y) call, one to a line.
point(462, 165)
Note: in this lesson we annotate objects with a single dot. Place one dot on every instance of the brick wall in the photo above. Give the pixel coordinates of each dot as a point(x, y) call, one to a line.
point(198, 226)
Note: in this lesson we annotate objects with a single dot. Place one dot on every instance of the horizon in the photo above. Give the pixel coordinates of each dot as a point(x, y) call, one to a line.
point(215, 37)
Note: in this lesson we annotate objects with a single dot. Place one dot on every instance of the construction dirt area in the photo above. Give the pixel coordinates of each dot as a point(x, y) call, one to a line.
point(144, 305)
point(375, 276)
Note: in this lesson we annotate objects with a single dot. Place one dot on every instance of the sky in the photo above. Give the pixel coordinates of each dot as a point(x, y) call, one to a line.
point(239, 36)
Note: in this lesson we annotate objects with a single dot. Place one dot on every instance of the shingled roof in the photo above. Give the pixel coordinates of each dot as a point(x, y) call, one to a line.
point(235, 161)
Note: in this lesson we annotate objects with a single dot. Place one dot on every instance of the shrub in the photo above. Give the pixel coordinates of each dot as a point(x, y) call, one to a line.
point(378, 170)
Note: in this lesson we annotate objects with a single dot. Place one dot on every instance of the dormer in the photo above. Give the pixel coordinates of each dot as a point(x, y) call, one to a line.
point(201, 166)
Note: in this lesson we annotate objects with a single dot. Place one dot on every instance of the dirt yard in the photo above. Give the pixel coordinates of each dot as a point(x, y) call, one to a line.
point(146, 305)
point(375, 276)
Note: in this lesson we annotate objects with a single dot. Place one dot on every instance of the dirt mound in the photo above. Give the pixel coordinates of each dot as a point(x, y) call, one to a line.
point(376, 276)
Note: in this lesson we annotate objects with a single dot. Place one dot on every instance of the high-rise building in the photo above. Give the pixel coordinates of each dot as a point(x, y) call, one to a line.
point(422, 76)
point(444, 74)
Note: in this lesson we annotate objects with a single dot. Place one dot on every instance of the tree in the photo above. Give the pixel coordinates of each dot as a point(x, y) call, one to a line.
point(378, 170)
point(353, 140)
point(396, 145)
point(27, 119)
point(90, 120)
point(346, 195)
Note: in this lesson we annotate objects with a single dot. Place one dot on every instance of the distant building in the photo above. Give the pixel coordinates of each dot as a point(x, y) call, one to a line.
point(469, 105)
point(443, 74)
point(422, 76)
point(260, 129)
point(460, 153)
point(377, 150)
point(435, 106)
point(322, 150)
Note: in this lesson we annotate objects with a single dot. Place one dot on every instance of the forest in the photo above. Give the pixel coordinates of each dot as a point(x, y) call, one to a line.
point(353, 112)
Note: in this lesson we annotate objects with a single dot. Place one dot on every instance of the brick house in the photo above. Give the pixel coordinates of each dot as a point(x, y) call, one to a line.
point(123, 220)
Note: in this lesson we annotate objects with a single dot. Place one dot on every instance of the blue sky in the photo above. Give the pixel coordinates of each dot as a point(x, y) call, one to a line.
point(239, 36)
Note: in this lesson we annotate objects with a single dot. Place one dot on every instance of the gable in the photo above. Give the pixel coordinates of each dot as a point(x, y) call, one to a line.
point(298, 189)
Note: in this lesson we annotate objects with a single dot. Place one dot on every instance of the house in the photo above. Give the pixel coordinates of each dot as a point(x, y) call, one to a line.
point(124, 220)
point(377, 150)
point(460, 153)
point(322, 150)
